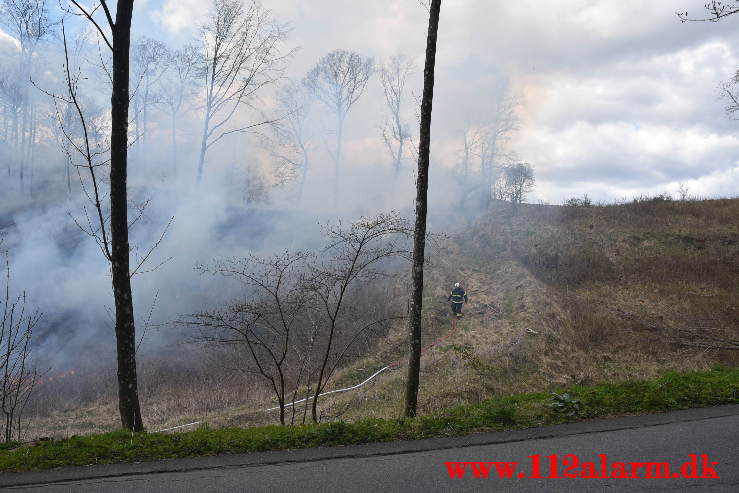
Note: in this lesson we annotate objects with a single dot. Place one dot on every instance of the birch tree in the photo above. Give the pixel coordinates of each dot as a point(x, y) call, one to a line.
point(491, 136)
point(393, 77)
point(29, 22)
point(242, 53)
point(465, 170)
point(149, 57)
point(293, 135)
point(338, 81)
point(176, 86)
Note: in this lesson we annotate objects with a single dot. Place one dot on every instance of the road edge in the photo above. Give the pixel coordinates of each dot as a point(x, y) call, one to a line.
point(60, 475)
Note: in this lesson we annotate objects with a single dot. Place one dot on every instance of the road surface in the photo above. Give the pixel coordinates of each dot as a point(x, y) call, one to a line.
point(420, 465)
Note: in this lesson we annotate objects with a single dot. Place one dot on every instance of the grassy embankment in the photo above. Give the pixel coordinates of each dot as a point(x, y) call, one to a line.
point(670, 391)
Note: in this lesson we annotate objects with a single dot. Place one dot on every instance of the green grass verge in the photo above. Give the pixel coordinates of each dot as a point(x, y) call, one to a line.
point(671, 391)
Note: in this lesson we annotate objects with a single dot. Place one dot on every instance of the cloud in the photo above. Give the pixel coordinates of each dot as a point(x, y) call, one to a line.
point(9, 48)
point(604, 86)
point(177, 16)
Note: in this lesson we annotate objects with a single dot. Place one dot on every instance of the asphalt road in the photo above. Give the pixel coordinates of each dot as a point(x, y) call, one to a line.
point(419, 465)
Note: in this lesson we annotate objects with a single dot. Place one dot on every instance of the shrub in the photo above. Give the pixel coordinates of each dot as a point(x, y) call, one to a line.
point(579, 202)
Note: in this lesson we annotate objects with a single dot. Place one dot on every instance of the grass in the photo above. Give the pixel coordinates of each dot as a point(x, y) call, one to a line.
point(670, 391)
point(559, 296)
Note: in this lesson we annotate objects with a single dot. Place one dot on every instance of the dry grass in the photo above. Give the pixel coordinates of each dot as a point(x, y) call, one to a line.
point(586, 295)
point(558, 297)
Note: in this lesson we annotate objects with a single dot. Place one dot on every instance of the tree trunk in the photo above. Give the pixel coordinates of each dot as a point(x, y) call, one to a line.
point(419, 234)
point(22, 149)
point(5, 124)
point(203, 143)
point(465, 172)
point(305, 174)
point(136, 137)
point(31, 149)
point(401, 139)
point(69, 169)
point(146, 107)
point(339, 139)
point(15, 126)
point(174, 143)
point(125, 330)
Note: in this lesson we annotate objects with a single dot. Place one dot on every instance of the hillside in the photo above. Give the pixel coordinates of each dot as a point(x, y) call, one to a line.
point(559, 295)
point(573, 295)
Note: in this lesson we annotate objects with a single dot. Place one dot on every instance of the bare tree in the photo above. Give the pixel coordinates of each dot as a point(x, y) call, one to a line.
point(492, 134)
point(293, 139)
point(683, 191)
point(117, 249)
point(177, 85)
point(150, 58)
point(354, 256)
point(29, 22)
point(301, 308)
point(17, 376)
point(466, 170)
point(716, 9)
point(242, 54)
point(12, 96)
point(730, 92)
point(419, 233)
point(393, 76)
point(266, 323)
point(338, 81)
point(516, 181)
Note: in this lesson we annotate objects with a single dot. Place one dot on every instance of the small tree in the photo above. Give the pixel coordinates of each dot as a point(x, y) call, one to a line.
point(683, 191)
point(354, 255)
point(303, 314)
point(338, 81)
point(516, 181)
point(17, 377)
point(265, 322)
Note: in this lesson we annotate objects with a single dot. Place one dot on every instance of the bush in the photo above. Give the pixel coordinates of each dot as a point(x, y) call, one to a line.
point(579, 202)
point(663, 197)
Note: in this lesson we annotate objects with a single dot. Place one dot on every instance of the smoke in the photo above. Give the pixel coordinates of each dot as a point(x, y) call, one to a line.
point(66, 276)
point(238, 208)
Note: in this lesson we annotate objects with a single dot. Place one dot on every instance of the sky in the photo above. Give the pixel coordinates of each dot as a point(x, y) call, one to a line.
point(616, 98)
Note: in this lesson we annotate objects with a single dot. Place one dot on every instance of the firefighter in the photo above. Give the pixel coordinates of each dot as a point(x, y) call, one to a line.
point(457, 297)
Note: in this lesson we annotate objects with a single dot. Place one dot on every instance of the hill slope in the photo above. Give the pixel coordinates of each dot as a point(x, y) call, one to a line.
point(570, 295)
point(559, 296)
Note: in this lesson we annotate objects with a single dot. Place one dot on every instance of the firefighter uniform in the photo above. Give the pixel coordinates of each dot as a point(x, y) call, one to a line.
point(457, 297)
